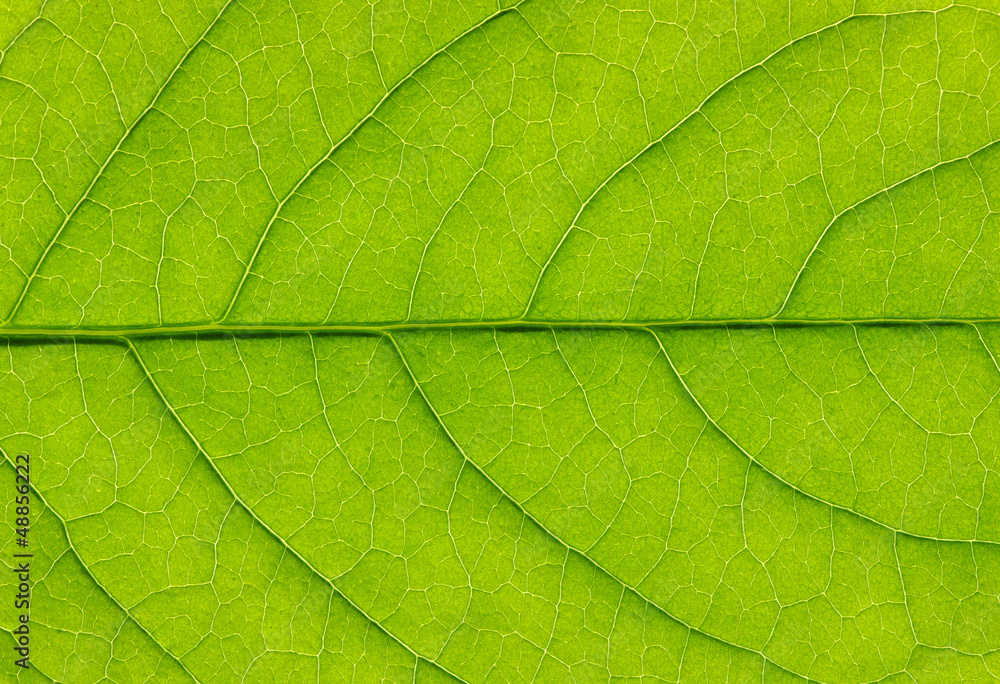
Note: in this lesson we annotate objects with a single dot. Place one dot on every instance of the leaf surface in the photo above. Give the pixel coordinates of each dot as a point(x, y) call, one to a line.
point(535, 341)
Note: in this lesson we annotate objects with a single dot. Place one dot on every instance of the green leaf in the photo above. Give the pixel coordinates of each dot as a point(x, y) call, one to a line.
point(547, 340)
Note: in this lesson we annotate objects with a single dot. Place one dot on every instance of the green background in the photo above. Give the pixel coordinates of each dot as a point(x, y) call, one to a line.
point(544, 341)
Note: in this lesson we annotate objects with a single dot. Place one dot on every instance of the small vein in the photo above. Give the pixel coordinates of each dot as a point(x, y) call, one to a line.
point(100, 172)
point(696, 110)
point(286, 546)
point(90, 575)
point(308, 174)
point(864, 200)
point(559, 540)
point(788, 484)
point(27, 27)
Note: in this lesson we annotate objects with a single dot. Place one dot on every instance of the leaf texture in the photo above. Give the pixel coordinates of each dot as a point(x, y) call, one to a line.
point(548, 340)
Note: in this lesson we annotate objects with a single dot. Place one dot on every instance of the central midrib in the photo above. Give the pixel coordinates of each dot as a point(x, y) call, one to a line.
point(514, 325)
